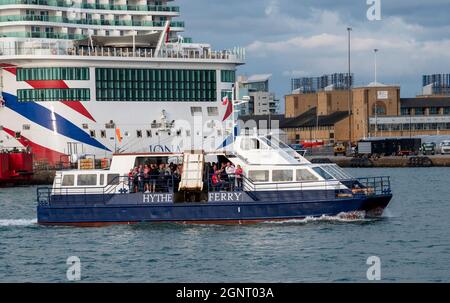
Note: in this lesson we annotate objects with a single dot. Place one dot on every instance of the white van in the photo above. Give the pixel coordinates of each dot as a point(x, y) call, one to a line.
point(445, 147)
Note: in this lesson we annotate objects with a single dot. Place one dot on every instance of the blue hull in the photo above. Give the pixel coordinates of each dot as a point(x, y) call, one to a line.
point(92, 211)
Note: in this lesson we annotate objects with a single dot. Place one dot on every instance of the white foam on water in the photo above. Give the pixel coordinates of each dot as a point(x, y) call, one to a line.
point(357, 216)
point(17, 222)
point(388, 214)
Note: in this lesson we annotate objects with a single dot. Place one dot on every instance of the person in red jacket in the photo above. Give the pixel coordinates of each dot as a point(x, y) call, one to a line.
point(217, 183)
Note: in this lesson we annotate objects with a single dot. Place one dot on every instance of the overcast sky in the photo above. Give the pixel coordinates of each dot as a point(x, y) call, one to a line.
point(308, 37)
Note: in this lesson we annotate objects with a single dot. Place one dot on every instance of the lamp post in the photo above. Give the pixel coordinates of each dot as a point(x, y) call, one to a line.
point(349, 29)
point(375, 51)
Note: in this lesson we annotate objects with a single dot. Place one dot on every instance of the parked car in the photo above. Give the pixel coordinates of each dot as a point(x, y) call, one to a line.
point(445, 147)
point(300, 149)
point(296, 147)
point(428, 148)
point(339, 149)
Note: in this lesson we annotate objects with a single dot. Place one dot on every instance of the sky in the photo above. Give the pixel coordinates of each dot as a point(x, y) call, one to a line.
point(291, 38)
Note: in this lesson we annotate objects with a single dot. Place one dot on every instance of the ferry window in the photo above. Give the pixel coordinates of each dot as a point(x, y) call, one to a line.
point(102, 179)
point(195, 110)
point(87, 180)
point(68, 180)
point(53, 73)
point(258, 175)
point(155, 85)
point(113, 179)
point(228, 76)
point(323, 173)
point(249, 144)
point(103, 133)
point(53, 94)
point(282, 175)
point(213, 111)
point(139, 133)
point(305, 175)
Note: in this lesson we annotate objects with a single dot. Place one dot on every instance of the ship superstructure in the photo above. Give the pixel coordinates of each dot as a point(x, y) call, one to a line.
point(97, 77)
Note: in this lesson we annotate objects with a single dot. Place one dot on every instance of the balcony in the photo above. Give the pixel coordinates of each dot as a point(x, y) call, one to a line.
point(56, 19)
point(55, 3)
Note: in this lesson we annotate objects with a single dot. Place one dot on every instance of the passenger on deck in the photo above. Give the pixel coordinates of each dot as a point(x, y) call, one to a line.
point(135, 179)
point(223, 173)
point(131, 180)
point(217, 183)
point(238, 173)
point(154, 174)
point(230, 171)
point(141, 178)
point(146, 177)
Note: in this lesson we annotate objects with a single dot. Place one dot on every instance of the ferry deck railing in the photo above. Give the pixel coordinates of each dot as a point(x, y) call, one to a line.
point(368, 186)
point(101, 194)
point(352, 188)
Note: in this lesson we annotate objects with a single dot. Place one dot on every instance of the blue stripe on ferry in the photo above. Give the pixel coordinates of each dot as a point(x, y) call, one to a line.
point(43, 116)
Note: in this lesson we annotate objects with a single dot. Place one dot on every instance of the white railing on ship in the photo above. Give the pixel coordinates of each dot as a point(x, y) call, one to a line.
point(236, 54)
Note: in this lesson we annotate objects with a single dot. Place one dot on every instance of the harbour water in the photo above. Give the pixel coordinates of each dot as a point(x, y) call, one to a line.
point(412, 241)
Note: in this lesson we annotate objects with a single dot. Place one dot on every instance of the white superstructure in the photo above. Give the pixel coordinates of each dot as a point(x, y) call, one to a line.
point(96, 77)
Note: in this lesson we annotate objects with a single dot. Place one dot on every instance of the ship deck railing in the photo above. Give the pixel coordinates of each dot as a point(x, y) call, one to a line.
point(348, 189)
point(237, 54)
point(119, 185)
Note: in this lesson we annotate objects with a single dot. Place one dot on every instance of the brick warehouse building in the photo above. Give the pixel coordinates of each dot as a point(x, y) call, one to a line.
point(377, 111)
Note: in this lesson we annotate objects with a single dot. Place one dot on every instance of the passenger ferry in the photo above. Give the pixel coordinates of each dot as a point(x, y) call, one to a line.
point(277, 184)
point(97, 77)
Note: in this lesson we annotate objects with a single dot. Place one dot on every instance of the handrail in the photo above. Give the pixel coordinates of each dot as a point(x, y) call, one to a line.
point(368, 186)
point(55, 3)
point(46, 49)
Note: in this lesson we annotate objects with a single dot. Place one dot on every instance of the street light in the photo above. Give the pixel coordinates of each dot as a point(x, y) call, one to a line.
point(376, 100)
point(349, 29)
point(375, 52)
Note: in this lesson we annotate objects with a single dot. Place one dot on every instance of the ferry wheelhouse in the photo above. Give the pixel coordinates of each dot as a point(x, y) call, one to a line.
point(277, 184)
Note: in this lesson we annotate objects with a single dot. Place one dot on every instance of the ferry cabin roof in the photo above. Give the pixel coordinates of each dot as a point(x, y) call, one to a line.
point(266, 166)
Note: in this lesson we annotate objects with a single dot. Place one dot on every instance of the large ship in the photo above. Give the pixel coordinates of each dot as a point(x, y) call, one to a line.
point(99, 77)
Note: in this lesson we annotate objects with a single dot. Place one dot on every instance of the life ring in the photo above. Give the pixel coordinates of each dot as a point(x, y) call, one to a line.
point(53, 51)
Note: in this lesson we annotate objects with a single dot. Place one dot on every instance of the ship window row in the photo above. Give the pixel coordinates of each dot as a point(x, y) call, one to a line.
point(155, 75)
point(53, 73)
point(155, 85)
point(179, 95)
point(53, 94)
point(283, 175)
point(228, 76)
point(90, 180)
